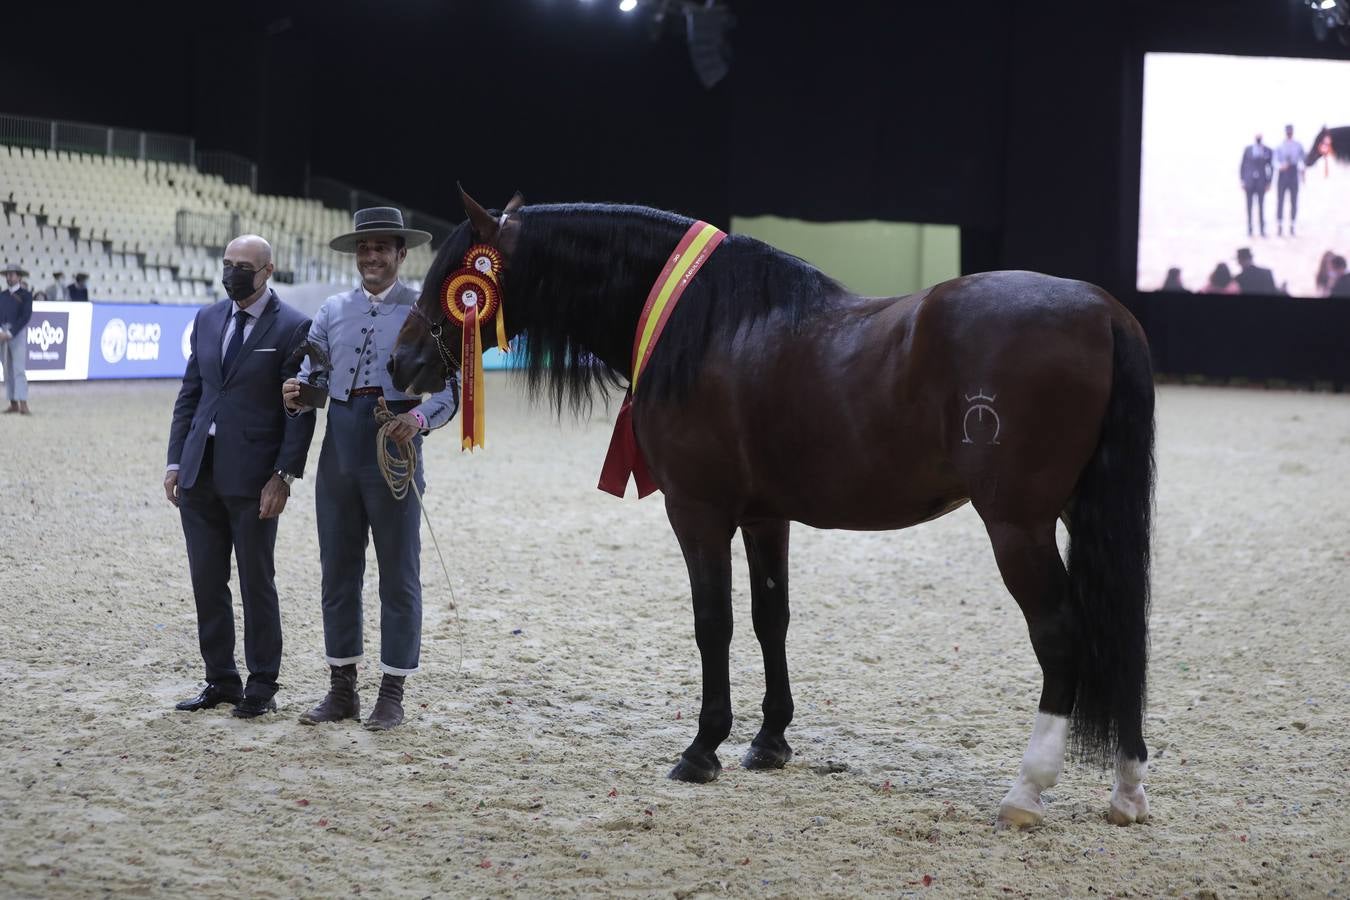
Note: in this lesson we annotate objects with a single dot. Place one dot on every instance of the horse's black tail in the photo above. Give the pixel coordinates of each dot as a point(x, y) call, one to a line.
point(1109, 527)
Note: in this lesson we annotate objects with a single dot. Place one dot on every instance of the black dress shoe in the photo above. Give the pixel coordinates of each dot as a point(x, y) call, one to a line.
point(210, 697)
point(252, 707)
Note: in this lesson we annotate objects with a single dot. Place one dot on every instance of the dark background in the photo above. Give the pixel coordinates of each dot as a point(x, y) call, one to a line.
point(1018, 121)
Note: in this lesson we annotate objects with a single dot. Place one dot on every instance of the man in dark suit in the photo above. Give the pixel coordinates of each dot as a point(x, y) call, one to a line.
point(1255, 170)
point(1253, 279)
point(233, 453)
point(78, 290)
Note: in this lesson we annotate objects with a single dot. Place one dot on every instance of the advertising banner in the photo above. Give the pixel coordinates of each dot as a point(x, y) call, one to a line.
point(79, 341)
point(58, 341)
point(139, 340)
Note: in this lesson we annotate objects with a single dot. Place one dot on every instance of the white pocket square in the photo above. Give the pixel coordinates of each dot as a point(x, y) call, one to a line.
point(264, 349)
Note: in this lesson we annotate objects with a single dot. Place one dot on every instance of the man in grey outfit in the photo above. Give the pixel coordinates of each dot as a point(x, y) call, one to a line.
point(357, 331)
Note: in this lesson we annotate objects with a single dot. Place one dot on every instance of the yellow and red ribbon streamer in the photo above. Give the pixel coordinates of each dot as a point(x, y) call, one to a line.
point(470, 295)
point(624, 457)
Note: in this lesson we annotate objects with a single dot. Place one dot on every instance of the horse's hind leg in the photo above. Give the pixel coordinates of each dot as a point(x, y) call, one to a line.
point(1034, 574)
point(704, 534)
point(766, 549)
point(1128, 803)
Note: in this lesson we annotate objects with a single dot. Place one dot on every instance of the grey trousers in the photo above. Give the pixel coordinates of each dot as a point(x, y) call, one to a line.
point(352, 503)
point(14, 357)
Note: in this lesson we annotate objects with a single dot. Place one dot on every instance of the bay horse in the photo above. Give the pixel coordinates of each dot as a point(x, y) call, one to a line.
point(775, 395)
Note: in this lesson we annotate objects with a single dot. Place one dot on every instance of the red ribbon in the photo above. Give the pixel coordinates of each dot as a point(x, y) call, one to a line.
point(624, 456)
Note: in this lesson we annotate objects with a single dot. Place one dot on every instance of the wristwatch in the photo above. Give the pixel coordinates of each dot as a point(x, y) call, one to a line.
point(284, 476)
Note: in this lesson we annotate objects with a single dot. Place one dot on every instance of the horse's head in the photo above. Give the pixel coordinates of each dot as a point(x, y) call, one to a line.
point(1320, 146)
point(427, 351)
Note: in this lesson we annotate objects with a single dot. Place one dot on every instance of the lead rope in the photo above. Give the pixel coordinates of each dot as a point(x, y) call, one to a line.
point(398, 468)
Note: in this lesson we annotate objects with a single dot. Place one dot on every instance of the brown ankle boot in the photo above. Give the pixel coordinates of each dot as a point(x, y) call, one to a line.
point(341, 702)
point(23, 408)
point(13, 407)
point(388, 711)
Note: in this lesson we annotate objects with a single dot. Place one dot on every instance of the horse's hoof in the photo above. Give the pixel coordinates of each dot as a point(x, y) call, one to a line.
point(767, 755)
point(695, 773)
point(1014, 817)
point(1127, 807)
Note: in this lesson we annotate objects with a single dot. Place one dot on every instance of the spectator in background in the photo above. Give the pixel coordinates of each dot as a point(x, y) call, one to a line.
point(1289, 163)
point(1340, 279)
point(1220, 281)
point(1173, 282)
point(1324, 279)
point(1255, 171)
point(1253, 279)
point(78, 291)
point(16, 308)
point(57, 289)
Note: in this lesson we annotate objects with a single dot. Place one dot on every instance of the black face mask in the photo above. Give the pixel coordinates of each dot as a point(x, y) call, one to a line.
point(238, 283)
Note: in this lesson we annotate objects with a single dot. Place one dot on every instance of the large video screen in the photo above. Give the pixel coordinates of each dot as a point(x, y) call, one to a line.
point(1244, 175)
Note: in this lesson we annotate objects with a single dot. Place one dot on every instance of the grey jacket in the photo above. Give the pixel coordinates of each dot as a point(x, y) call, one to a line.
point(359, 337)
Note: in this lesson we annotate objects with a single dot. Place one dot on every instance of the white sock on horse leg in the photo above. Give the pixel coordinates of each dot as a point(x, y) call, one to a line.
point(1128, 802)
point(1041, 765)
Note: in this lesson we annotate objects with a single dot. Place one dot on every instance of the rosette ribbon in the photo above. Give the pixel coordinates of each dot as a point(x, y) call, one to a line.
point(471, 295)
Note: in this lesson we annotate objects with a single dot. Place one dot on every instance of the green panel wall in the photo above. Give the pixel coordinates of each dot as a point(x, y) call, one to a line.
point(872, 258)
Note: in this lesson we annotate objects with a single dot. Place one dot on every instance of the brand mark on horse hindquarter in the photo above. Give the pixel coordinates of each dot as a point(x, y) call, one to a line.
point(981, 405)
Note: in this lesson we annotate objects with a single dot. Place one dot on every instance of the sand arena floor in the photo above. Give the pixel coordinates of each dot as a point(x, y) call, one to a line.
point(538, 768)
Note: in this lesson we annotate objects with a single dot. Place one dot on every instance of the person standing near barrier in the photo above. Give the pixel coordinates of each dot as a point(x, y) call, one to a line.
point(233, 453)
point(16, 308)
point(57, 289)
point(357, 331)
point(78, 290)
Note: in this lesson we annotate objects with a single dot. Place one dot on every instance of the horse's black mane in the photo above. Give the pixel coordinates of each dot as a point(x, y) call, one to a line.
point(578, 279)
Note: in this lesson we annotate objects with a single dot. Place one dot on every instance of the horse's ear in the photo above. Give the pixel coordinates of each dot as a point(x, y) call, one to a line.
point(483, 224)
point(516, 202)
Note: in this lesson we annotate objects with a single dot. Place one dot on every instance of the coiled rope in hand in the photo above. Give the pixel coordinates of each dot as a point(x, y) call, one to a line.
point(399, 468)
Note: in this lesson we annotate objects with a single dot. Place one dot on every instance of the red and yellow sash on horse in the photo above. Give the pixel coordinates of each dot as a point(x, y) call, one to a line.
point(471, 295)
point(624, 457)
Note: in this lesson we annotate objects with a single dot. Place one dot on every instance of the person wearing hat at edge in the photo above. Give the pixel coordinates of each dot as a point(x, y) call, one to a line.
point(78, 291)
point(16, 308)
point(357, 331)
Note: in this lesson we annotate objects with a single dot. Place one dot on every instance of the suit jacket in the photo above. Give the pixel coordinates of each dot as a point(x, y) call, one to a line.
point(16, 308)
point(254, 436)
point(359, 337)
point(77, 293)
point(1342, 286)
point(1256, 167)
point(1256, 280)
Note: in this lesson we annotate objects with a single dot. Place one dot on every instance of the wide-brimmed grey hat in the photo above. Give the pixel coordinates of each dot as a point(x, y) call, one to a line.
point(18, 270)
point(378, 221)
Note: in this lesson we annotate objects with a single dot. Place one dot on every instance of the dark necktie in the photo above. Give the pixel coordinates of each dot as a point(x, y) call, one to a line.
point(236, 341)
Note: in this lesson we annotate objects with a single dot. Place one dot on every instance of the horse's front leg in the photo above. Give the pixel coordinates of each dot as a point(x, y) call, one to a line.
point(704, 534)
point(766, 549)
